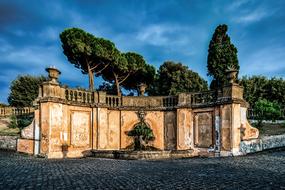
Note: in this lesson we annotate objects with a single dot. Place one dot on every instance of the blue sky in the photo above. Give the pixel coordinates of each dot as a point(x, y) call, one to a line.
point(159, 30)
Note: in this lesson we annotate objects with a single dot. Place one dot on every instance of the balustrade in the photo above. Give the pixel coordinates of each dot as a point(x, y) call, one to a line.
point(6, 111)
point(113, 101)
point(80, 96)
point(207, 97)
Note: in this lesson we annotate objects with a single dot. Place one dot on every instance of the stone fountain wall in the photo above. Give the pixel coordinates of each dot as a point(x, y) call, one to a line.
point(71, 122)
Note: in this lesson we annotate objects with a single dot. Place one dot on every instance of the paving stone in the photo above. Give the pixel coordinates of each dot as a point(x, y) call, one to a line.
point(258, 171)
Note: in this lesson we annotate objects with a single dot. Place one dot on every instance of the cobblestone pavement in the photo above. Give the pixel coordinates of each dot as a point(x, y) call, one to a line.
point(259, 171)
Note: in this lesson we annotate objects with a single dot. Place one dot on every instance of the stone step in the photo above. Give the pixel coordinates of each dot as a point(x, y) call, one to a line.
point(143, 155)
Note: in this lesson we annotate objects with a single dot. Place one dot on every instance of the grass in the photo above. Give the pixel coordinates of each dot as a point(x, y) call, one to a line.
point(5, 130)
point(269, 129)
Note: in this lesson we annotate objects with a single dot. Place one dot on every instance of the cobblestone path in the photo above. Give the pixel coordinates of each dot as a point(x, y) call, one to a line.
point(259, 171)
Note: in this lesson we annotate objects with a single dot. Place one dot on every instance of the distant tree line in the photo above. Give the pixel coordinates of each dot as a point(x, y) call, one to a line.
point(261, 87)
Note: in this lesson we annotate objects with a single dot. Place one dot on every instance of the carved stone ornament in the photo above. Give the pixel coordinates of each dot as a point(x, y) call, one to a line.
point(141, 115)
point(53, 74)
point(142, 88)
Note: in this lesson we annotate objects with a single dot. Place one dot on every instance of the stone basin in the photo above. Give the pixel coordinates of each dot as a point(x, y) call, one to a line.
point(143, 155)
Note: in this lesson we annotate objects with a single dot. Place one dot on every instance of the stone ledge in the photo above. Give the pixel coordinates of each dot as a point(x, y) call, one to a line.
point(143, 155)
point(263, 143)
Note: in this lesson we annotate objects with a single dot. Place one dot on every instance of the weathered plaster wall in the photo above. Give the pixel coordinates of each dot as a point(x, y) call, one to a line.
point(128, 120)
point(95, 128)
point(184, 129)
point(170, 130)
point(65, 125)
point(226, 118)
point(72, 131)
point(155, 119)
point(108, 129)
point(236, 126)
point(203, 128)
point(44, 120)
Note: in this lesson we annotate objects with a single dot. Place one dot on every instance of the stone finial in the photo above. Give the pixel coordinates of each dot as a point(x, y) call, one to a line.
point(142, 88)
point(232, 75)
point(53, 74)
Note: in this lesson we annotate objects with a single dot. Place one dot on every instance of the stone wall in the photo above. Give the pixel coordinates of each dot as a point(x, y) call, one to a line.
point(8, 142)
point(71, 123)
point(263, 143)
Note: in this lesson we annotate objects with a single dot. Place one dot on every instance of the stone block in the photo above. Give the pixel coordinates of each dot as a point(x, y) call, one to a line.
point(25, 146)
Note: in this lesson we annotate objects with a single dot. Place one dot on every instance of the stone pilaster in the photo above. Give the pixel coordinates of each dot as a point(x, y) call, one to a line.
point(184, 129)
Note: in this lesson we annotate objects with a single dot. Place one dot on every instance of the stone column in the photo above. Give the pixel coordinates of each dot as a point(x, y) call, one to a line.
point(231, 100)
point(51, 114)
point(185, 135)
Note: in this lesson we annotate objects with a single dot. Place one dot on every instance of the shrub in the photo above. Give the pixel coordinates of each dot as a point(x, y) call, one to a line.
point(142, 134)
point(24, 121)
point(20, 121)
point(14, 122)
point(266, 110)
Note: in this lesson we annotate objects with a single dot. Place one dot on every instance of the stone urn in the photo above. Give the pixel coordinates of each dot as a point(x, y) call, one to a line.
point(232, 75)
point(53, 74)
point(142, 88)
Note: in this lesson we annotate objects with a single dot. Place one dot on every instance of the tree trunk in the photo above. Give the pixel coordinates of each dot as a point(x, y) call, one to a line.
point(91, 80)
point(117, 84)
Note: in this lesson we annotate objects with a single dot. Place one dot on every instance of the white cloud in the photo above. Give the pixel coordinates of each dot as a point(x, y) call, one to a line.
point(155, 34)
point(237, 4)
point(252, 16)
point(160, 35)
point(50, 33)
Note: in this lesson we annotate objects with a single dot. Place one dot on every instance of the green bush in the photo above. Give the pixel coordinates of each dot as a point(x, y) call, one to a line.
point(24, 121)
point(266, 110)
point(20, 121)
point(14, 122)
point(142, 134)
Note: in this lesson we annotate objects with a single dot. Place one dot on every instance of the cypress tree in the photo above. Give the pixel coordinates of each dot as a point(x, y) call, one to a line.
point(222, 55)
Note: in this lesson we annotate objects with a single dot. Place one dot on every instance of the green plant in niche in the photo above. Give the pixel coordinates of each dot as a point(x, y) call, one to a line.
point(142, 135)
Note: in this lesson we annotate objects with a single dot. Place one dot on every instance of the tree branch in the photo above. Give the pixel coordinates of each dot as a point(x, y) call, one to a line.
point(102, 69)
point(124, 78)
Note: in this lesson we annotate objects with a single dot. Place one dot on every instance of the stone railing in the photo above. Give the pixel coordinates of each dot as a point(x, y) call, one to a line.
point(149, 101)
point(7, 111)
point(86, 97)
point(203, 98)
point(113, 101)
point(52, 91)
point(80, 96)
